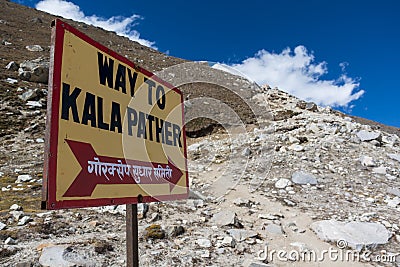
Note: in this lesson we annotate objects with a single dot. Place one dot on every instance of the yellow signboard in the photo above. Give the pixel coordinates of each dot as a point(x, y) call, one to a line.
point(115, 132)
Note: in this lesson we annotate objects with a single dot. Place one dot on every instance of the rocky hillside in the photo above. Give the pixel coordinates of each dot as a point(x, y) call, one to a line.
point(269, 173)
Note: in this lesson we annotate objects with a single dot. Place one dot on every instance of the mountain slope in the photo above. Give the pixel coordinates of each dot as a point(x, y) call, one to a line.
point(283, 174)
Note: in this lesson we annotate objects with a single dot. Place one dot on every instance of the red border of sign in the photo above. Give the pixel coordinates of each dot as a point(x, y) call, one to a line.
point(50, 162)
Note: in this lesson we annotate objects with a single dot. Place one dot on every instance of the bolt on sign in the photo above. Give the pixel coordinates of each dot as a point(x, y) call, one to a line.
point(115, 132)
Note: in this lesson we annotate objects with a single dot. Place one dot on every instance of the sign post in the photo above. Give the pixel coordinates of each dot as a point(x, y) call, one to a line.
point(115, 132)
point(132, 242)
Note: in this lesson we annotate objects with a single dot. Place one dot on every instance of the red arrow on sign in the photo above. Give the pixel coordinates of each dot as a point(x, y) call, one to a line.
point(107, 170)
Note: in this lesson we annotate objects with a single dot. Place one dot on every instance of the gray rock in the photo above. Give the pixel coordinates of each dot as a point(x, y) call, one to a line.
point(155, 216)
point(369, 136)
point(205, 254)
point(241, 202)
point(204, 242)
point(117, 209)
point(24, 220)
point(391, 140)
point(354, 139)
point(12, 66)
point(10, 241)
point(55, 256)
point(367, 161)
point(228, 241)
point(174, 230)
point(35, 104)
point(11, 80)
point(293, 140)
point(313, 128)
point(270, 216)
point(311, 106)
point(34, 48)
point(36, 20)
point(246, 152)
point(225, 217)
point(194, 147)
point(220, 250)
point(394, 156)
point(357, 235)
point(391, 177)
point(241, 234)
point(15, 207)
point(296, 147)
point(31, 95)
point(274, 229)
point(301, 104)
point(17, 214)
point(23, 178)
point(379, 170)
point(282, 183)
point(36, 70)
point(393, 202)
point(142, 209)
point(394, 191)
point(293, 227)
point(24, 75)
point(196, 195)
point(289, 202)
point(375, 143)
point(301, 177)
point(2, 226)
point(195, 203)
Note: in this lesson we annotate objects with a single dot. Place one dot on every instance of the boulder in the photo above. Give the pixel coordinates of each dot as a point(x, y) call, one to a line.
point(369, 136)
point(10, 241)
point(203, 242)
point(24, 220)
point(274, 229)
point(12, 66)
point(296, 147)
point(36, 70)
point(367, 161)
point(23, 178)
point(301, 177)
point(394, 157)
point(394, 191)
point(355, 235)
point(241, 234)
point(34, 48)
point(311, 106)
point(282, 183)
point(224, 218)
point(228, 241)
point(55, 256)
point(15, 207)
point(31, 94)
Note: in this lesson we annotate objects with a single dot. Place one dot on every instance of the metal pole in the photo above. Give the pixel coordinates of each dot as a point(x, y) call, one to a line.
point(132, 247)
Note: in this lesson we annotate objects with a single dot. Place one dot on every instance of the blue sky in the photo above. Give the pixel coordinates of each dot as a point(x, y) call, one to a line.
point(339, 53)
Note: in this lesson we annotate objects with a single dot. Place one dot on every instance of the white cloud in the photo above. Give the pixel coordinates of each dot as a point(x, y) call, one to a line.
point(120, 25)
point(297, 73)
point(226, 68)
